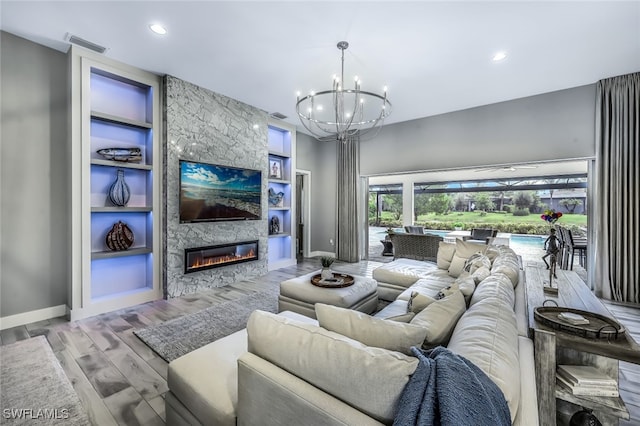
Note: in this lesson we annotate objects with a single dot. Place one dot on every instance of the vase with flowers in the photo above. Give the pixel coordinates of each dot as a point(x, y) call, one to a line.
point(326, 262)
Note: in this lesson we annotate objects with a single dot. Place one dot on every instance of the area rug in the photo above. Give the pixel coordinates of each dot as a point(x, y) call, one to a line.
point(35, 389)
point(174, 338)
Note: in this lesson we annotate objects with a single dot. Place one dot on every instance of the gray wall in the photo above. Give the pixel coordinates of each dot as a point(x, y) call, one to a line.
point(551, 126)
point(320, 159)
point(33, 184)
point(223, 132)
point(556, 125)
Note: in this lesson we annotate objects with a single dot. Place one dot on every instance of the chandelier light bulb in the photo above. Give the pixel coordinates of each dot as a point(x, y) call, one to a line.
point(319, 107)
point(312, 93)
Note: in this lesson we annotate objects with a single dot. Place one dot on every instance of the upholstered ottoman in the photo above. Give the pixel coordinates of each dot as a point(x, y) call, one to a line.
point(299, 295)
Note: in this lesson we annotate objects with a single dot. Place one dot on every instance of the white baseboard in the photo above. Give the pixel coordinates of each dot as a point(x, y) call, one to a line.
point(32, 316)
point(321, 253)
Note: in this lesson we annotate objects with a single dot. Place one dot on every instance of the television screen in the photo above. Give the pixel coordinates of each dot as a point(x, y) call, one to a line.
point(215, 193)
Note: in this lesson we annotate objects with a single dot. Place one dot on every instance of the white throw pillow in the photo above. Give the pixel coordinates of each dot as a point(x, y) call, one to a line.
point(418, 302)
point(466, 248)
point(480, 275)
point(392, 335)
point(457, 266)
point(467, 286)
point(445, 254)
point(329, 360)
point(440, 318)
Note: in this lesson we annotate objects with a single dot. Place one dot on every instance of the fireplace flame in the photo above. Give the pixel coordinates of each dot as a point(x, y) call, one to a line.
point(217, 260)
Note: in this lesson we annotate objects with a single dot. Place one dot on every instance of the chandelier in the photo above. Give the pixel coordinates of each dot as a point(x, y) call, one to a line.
point(341, 113)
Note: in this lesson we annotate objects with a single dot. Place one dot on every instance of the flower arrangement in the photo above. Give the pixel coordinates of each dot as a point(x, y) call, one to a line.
point(551, 216)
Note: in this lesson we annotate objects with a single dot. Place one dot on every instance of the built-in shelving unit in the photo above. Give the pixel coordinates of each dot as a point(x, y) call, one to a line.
point(114, 106)
point(282, 145)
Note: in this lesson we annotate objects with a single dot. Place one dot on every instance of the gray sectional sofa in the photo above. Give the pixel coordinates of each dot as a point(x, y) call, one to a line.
point(342, 370)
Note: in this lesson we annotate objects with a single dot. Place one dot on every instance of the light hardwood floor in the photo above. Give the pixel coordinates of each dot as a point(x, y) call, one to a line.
point(119, 380)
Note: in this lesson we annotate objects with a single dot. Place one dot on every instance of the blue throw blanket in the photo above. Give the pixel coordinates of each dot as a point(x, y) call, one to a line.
point(449, 390)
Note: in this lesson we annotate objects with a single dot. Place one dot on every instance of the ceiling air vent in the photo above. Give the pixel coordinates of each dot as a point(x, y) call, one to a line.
point(84, 43)
point(278, 115)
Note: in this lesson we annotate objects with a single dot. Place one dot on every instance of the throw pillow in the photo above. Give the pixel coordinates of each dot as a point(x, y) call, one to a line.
point(439, 319)
point(418, 302)
point(467, 286)
point(392, 335)
point(448, 291)
point(466, 248)
point(480, 274)
point(457, 265)
point(476, 261)
point(445, 254)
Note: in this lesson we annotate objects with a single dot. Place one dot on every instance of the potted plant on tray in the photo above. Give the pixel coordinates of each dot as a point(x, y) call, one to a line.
point(458, 226)
point(326, 262)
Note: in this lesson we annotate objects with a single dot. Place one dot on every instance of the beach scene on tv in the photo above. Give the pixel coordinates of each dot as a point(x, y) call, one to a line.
point(214, 193)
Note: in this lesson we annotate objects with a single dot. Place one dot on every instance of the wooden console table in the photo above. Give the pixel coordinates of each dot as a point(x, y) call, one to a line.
point(553, 347)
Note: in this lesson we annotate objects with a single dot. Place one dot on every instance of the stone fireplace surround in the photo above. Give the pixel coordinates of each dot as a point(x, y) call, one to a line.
point(205, 126)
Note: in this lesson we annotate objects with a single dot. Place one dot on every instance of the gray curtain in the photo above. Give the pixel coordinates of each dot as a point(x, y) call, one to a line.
point(347, 248)
point(617, 183)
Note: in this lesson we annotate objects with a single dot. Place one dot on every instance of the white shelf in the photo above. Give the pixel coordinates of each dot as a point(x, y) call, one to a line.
point(121, 164)
point(120, 120)
point(282, 145)
point(114, 106)
point(121, 253)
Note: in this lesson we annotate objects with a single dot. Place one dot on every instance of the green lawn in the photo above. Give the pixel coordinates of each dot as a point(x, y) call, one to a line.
point(475, 217)
point(504, 222)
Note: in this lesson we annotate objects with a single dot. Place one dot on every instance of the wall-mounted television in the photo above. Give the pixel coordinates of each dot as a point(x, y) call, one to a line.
point(210, 192)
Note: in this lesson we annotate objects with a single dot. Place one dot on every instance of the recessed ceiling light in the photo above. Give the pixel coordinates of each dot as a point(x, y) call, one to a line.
point(499, 56)
point(158, 29)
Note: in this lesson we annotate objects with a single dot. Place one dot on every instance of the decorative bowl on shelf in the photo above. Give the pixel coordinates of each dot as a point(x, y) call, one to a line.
point(132, 155)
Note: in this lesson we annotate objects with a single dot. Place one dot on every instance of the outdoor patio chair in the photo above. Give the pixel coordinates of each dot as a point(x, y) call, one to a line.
point(414, 230)
point(481, 235)
point(418, 247)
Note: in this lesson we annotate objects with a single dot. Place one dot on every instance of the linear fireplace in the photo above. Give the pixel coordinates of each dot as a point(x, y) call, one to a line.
point(201, 258)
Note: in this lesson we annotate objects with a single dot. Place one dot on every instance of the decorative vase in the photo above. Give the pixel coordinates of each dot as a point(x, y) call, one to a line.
point(120, 237)
point(119, 192)
point(326, 273)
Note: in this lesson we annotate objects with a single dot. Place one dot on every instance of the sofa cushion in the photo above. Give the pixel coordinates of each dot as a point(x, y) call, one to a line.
point(392, 335)
point(508, 265)
point(445, 254)
point(367, 378)
point(440, 318)
point(486, 335)
point(429, 286)
point(496, 285)
point(403, 272)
